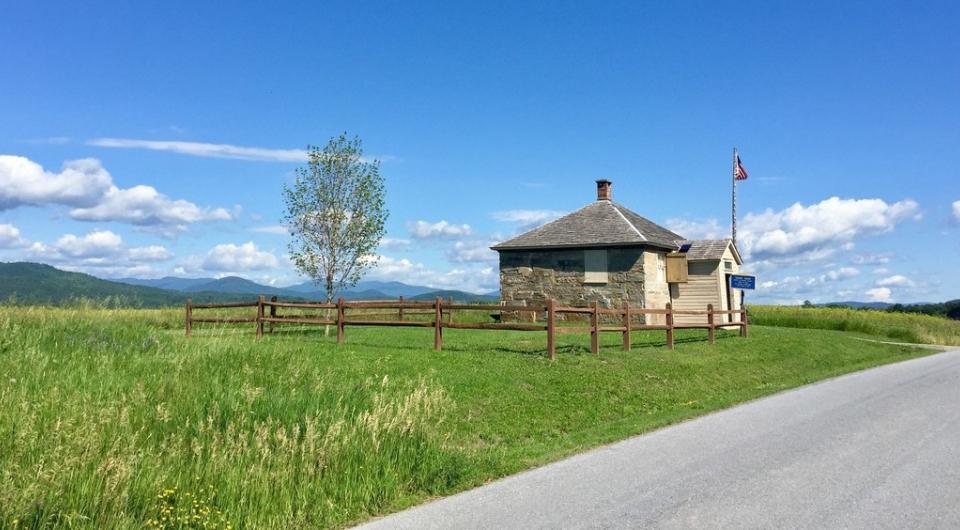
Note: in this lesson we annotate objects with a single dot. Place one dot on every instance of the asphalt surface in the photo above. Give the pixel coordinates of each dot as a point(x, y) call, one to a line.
point(874, 449)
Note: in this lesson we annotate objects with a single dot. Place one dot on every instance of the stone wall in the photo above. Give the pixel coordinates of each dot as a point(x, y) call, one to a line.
point(531, 277)
point(657, 290)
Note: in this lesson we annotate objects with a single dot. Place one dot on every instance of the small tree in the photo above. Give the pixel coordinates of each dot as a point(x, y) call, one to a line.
point(335, 211)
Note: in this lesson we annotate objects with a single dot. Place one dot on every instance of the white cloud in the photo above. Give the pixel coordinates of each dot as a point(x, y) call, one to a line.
point(897, 280)
point(87, 187)
point(389, 243)
point(871, 259)
point(831, 222)
point(206, 149)
point(211, 150)
point(956, 211)
point(96, 244)
point(10, 237)
point(708, 229)
point(438, 230)
point(527, 219)
point(272, 229)
point(777, 264)
point(470, 279)
point(472, 252)
point(100, 252)
point(145, 206)
point(813, 286)
point(235, 258)
point(24, 182)
point(842, 273)
point(879, 294)
point(150, 253)
point(109, 269)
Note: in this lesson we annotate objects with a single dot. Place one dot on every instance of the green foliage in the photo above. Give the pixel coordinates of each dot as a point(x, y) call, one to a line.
point(916, 328)
point(104, 410)
point(950, 309)
point(337, 213)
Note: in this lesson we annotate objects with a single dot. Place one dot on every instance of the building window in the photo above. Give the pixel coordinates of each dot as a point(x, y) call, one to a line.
point(727, 265)
point(595, 269)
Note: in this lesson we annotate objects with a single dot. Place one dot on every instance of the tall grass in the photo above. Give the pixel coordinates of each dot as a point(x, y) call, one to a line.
point(99, 419)
point(110, 418)
point(906, 327)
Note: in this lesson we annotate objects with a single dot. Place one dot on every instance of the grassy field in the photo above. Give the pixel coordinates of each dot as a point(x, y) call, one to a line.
point(112, 419)
point(905, 327)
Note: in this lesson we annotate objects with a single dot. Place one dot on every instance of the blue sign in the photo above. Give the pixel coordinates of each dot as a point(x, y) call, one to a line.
point(743, 281)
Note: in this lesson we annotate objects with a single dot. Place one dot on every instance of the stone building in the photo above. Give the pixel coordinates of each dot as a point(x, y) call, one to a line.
point(607, 253)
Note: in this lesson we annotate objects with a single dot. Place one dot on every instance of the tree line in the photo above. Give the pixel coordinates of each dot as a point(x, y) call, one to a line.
point(950, 309)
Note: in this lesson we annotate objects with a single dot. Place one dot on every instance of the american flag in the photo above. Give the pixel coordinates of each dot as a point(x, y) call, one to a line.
point(740, 173)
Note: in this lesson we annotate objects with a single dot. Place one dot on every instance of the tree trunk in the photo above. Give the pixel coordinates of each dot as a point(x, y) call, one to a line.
point(326, 329)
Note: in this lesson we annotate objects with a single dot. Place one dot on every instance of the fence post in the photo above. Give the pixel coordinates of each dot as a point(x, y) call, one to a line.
point(437, 324)
point(260, 301)
point(743, 318)
point(669, 325)
point(189, 323)
point(273, 311)
point(400, 311)
point(626, 327)
point(551, 331)
point(711, 330)
point(341, 326)
point(450, 312)
point(595, 328)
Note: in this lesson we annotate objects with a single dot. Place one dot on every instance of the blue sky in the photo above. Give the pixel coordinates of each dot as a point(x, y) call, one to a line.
point(187, 118)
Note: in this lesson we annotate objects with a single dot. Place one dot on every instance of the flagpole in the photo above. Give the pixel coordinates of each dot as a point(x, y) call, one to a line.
point(733, 224)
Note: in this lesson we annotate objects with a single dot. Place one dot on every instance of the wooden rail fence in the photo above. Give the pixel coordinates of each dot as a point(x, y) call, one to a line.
point(441, 313)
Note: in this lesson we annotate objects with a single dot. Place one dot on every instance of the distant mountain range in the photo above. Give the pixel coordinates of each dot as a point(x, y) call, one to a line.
point(36, 283)
point(364, 290)
point(949, 309)
point(858, 305)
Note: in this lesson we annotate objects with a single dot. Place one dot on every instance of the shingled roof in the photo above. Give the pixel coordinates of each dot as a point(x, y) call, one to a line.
point(600, 223)
point(707, 249)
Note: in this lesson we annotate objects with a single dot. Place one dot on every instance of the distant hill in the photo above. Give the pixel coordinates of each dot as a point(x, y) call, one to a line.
point(167, 282)
point(386, 289)
point(949, 309)
point(393, 289)
point(858, 305)
point(305, 287)
point(35, 283)
point(364, 290)
point(236, 284)
point(458, 296)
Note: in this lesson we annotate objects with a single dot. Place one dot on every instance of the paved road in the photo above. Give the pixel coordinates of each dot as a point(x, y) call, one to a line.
point(875, 449)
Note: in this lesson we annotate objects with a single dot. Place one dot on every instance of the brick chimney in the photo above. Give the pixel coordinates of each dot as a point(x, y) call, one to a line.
point(604, 190)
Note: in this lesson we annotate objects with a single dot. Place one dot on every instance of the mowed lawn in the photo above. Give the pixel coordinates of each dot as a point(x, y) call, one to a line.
point(112, 419)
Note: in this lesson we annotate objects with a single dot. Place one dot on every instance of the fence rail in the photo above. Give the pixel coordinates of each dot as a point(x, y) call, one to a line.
point(441, 313)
